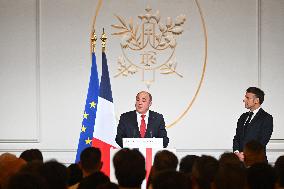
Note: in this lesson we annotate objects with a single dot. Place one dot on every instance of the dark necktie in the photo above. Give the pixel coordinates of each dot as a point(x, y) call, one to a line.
point(247, 121)
point(143, 126)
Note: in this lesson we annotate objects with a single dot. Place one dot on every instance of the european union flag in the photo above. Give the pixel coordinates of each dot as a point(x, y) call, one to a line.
point(89, 116)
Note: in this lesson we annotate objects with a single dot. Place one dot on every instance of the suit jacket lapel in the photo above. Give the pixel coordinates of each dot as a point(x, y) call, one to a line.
point(257, 116)
point(151, 120)
point(133, 121)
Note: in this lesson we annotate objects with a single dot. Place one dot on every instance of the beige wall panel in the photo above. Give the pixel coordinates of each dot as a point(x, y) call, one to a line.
point(272, 61)
point(18, 71)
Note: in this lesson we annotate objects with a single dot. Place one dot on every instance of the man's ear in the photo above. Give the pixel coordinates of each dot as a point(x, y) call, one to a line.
point(256, 101)
point(150, 104)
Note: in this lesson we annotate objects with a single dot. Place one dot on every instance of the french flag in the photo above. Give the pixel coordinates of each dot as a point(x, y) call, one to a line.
point(105, 126)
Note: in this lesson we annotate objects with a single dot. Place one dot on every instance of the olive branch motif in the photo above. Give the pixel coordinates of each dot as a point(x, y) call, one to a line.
point(170, 68)
point(125, 69)
point(134, 37)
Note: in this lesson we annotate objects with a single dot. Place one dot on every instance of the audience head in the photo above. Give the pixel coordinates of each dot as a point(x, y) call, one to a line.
point(55, 175)
point(90, 160)
point(74, 173)
point(23, 180)
point(186, 163)
point(129, 165)
point(203, 171)
point(230, 176)
point(93, 181)
point(164, 160)
point(229, 158)
point(32, 167)
point(279, 170)
point(170, 179)
point(254, 153)
point(31, 155)
point(9, 165)
point(109, 185)
point(261, 176)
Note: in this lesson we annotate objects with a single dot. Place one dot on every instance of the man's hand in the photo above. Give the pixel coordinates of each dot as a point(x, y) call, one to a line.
point(240, 155)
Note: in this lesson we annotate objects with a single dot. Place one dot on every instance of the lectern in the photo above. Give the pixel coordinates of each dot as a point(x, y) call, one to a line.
point(142, 143)
point(147, 146)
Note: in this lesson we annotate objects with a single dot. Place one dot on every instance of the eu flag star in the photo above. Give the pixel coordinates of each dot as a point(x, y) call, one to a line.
point(88, 141)
point(93, 104)
point(83, 129)
point(85, 115)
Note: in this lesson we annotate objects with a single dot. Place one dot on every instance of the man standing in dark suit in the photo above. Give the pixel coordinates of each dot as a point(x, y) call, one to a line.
point(142, 122)
point(253, 125)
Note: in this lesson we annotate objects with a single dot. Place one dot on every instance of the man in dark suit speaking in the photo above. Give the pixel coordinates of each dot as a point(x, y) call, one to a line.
point(253, 125)
point(142, 122)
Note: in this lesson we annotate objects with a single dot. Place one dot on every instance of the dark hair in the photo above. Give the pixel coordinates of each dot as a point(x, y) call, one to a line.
point(279, 169)
point(26, 181)
point(171, 179)
point(55, 174)
point(186, 163)
point(74, 173)
point(93, 181)
point(230, 176)
point(254, 146)
point(109, 185)
point(90, 159)
point(129, 167)
point(254, 153)
point(229, 158)
point(31, 155)
point(261, 176)
point(204, 170)
point(257, 92)
point(32, 167)
point(165, 159)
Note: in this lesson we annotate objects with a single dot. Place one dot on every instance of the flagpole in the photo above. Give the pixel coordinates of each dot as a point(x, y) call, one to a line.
point(92, 34)
point(103, 38)
point(93, 41)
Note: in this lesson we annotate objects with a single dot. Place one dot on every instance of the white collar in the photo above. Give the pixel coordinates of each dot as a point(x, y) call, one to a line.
point(146, 115)
point(256, 110)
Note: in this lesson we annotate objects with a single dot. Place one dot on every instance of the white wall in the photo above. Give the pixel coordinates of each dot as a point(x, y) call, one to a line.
point(45, 65)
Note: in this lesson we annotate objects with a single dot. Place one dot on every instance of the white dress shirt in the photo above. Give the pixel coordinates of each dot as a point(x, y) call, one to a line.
point(139, 118)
